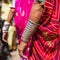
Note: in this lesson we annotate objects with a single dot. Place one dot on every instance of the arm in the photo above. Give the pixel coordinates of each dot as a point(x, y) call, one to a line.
point(7, 22)
point(10, 15)
point(11, 12)
point(31, 26)
point(34, 19)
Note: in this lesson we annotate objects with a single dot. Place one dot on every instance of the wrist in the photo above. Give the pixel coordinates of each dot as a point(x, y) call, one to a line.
point(22, 46)
point(30, 29)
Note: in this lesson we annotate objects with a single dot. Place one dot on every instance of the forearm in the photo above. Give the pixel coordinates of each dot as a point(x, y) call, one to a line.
point(33, 22)
point(9, 19)
point(31, 27)
point(10, 15)
point(11, 12)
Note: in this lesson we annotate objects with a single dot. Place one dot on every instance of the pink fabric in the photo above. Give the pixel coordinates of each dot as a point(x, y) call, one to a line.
point(22, 9)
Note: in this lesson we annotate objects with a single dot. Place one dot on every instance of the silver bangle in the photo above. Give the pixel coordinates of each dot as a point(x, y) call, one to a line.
point(5, 27)
point(30, 28)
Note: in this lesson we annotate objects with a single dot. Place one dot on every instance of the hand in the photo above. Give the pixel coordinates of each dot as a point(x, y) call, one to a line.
point(22, 46)
point(4, 36)
point(36, 12)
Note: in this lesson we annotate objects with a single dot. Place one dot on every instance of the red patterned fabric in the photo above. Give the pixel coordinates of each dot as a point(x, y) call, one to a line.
point(46, 40)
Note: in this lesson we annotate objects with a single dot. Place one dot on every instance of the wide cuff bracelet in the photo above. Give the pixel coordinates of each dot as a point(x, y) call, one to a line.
point(30, 28)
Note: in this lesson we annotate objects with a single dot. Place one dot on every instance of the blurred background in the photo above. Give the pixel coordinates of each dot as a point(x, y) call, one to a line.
point(4, 8)
point(5, 53)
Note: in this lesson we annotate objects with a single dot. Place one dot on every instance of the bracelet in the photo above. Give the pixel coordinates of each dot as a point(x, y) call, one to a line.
point(6, 26)
point(30, 29)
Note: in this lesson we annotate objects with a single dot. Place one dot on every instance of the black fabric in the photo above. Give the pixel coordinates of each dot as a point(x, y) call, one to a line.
point(1, 25)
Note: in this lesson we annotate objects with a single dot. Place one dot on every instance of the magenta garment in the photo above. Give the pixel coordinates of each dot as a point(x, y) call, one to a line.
point(22, 9)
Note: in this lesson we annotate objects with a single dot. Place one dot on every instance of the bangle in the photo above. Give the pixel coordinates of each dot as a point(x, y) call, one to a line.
point(30, 29)
point(6, 26)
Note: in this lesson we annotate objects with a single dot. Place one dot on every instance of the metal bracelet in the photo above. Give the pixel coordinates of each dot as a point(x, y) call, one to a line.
point(30, 28)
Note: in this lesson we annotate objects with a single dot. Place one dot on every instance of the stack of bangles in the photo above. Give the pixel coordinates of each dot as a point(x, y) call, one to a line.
point(30, 29)
point(5, 27)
